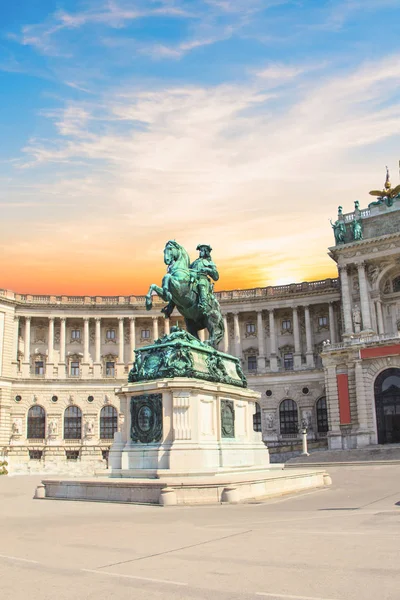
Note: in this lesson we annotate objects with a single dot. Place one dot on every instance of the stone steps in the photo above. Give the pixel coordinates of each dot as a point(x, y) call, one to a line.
point(389, 453)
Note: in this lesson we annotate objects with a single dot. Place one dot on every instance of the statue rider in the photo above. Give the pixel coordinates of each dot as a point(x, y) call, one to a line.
point(200, 272)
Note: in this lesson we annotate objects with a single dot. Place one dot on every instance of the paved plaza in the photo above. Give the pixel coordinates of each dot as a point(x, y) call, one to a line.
point(337, 543)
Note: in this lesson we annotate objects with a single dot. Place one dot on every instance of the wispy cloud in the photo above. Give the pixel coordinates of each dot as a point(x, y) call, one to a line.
point(175, 158)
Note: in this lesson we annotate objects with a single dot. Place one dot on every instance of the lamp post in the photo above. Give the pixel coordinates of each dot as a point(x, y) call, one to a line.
point(304, 437)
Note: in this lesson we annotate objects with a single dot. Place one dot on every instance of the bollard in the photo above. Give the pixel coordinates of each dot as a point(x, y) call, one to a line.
point(40, 492)
point(304, 440)
point(230, 494)
point(168, 497)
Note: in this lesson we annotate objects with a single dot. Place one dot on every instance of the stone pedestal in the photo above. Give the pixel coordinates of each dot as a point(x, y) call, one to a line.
point(183, 425)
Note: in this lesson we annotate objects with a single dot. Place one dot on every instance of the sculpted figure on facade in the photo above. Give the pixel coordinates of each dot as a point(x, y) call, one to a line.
point(339, 231)
point(356, 318)
point(53, 427)
point(357, 230)
point(89, 427)
point(188, 287)
point(17, 427)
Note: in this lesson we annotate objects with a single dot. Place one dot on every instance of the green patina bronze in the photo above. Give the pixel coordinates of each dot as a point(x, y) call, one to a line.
point(356, 229)
point(180, 354)
point(227, 419)
point(339, 230)
point(188, 287)
point(146, 415)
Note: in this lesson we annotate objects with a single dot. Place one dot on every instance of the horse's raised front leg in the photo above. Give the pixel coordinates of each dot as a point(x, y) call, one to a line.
point(167, 296)
point(149, 300)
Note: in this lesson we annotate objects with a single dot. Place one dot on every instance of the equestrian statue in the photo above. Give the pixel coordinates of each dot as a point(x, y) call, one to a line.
point(188, 287)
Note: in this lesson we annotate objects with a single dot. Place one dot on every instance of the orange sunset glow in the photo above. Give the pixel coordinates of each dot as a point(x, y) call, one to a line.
point(107, 156)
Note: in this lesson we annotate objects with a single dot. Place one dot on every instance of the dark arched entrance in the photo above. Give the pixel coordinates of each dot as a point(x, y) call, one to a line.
point(387, 405)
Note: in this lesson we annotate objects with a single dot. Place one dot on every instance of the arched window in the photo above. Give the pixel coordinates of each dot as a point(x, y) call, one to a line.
point(322, 415)
point(72, 423)
point(108, 422)
point(288, 417)
point(257, 418)
point(36, 423)
point(396, 284)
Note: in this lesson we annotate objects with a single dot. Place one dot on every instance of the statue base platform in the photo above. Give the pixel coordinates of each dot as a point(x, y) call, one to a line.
point(184, 425)
point(186, 441)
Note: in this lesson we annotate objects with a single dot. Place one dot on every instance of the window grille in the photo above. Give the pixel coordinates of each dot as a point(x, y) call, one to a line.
point(288, 417)
point(322, 416)
point(108, 422)
point(72, 423)
point(36, 423)
point(252, 363)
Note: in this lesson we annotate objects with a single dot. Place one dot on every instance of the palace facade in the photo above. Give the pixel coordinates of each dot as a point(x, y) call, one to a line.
point(323, 354)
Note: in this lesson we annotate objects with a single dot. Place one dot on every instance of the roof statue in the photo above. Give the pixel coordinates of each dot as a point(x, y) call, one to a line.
point(387, 195)
point(188, 287)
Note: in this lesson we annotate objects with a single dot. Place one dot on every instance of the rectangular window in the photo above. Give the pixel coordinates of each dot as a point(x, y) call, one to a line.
point(252, 363)
point(72, 454)
point(145, 334)
point(288, 361)
point(250, 328)
point(110, 334)
point(35, 454)
point(76, 334)
point(75, 369)
point(286, 325)
point(323, 321)
point(110, 369)
point(39, 367)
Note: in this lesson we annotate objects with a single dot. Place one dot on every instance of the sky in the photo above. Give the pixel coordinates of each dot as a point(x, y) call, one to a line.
point(238, 123)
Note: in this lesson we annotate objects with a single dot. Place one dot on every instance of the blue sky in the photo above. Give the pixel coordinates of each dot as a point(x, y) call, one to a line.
point(243, 123)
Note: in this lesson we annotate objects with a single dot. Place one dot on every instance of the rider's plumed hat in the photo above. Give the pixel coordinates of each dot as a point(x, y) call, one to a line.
point(200, 246)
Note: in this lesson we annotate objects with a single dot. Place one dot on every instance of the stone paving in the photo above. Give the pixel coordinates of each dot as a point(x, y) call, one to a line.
point(338, 543)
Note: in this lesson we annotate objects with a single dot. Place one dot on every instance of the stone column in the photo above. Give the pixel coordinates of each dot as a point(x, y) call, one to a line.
point(86, 340)
point(364, 298)
point(273, 361)
point(121, 340)
point(379, 312)
point(225, 347)
point(309, 340)
point(97, 343)
point(236, 329)
point(86, 355)
point(296, 336)
point(202, 336)
point(97, 348)
point(261, 343)
point(16, 339)
point(61, 364)
point(132, 338)
point(27, 348)
point(155, 328)
point(167, 326)
point(361, 402)
point(50, 350)
point(346, 302)
point(332, 333)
